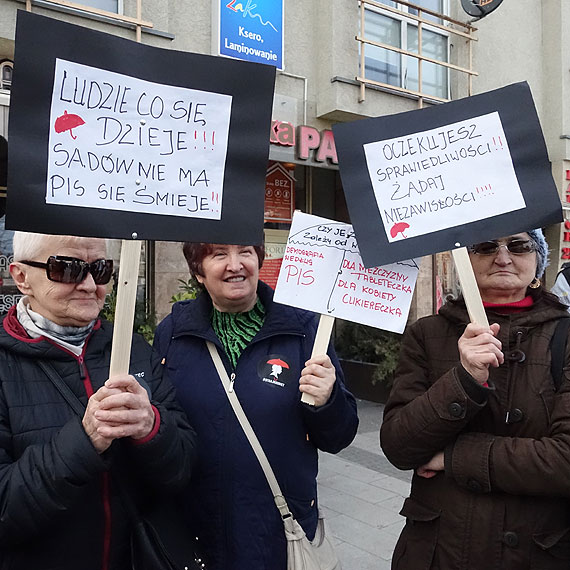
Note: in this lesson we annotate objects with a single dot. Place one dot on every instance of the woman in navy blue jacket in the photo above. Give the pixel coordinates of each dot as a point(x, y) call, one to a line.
point(266, 349)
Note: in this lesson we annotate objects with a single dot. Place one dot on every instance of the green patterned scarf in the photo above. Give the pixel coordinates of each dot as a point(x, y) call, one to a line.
point(235, 330)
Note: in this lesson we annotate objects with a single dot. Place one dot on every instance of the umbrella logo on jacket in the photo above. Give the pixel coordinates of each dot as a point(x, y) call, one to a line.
point(277, 366)
point(274, 370)
point(68, 122)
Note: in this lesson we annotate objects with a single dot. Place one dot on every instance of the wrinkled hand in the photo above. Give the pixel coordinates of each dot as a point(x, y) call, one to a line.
point(478, 349)
point(318, 378)
point(434, 466)
point(120, 408)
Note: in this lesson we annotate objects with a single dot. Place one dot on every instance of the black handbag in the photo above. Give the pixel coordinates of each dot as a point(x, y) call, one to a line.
point(160, 539)
point(147, 549)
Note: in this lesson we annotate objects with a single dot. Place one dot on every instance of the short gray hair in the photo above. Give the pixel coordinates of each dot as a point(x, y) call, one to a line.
point(27, 245)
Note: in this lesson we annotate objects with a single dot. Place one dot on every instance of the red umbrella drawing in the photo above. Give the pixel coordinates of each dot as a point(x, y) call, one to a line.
point(400, 227)
point(279, 362)
point(68, 122)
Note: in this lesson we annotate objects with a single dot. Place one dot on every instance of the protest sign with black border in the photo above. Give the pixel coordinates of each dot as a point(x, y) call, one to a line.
point(443, 177)
point(110, 138)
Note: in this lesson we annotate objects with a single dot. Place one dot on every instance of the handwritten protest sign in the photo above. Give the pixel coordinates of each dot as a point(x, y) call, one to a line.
point(112, 138)
point(322, 271)
point(464, 169)
point(443, 177)
point(122, 143)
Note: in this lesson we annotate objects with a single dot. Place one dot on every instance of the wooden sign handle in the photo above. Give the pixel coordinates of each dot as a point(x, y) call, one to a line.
point(469, 287)
point(320, 346)
point(125, 307)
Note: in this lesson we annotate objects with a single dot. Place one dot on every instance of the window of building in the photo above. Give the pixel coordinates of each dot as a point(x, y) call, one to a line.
point(401, 31)
point(6, 69)
point(107, 5)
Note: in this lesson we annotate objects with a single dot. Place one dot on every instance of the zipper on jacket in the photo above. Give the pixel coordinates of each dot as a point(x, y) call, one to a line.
point(84, 376)
point(232, 379)
point(106, 481)
point(516, 356)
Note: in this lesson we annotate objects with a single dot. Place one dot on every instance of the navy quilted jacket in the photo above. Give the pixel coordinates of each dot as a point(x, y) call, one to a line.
point(229, 499)
point(59, 508)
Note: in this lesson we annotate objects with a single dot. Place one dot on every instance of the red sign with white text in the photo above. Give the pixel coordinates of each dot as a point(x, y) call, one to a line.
point(269, 271)
point(565, 249)
point(279, 194)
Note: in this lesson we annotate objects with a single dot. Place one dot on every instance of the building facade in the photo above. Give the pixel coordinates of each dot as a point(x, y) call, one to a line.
point(338, 61)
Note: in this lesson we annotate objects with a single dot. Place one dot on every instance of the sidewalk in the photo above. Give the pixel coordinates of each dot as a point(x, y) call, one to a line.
point(361, 494)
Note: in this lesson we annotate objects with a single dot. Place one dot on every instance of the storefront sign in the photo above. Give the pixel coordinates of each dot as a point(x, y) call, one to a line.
point(565, 249)
point(565, 252)
point(252, 30)
point(322, 142)
point(282, 133)
point(308, 142)
point(279, 194)
point(322, 271)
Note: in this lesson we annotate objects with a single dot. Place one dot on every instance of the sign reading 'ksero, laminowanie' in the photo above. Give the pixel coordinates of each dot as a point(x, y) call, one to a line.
point(123, 143)
point(252, 30)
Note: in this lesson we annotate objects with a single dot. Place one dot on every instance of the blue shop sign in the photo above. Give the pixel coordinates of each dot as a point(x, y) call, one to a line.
point(252, 30)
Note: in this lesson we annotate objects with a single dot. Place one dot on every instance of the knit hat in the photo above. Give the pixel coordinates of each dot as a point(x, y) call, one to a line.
point(541, 250)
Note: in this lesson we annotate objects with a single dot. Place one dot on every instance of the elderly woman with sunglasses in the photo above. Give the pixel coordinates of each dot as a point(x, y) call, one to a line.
point(477, 414)
point(60, 507)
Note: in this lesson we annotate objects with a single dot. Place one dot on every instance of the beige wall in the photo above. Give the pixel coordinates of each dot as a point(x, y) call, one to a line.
point(170, 266)
point(523, 40)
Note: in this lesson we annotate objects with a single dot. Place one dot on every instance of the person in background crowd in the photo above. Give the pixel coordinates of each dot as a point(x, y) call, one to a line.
point(477, 414)
point(266, 349)
point(60, 508)
point(561, 287)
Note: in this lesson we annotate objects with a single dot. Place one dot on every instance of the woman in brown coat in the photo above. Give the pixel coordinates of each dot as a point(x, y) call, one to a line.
point(476, 413)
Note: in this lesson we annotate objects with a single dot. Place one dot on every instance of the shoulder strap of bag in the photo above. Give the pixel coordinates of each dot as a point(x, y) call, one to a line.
point(558, 350)
point(79, 409)
point(62, 387)
point(250, 434)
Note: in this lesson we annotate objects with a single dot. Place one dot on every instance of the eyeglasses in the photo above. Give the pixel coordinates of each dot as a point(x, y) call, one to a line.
point(72, 270)
point(516, 246)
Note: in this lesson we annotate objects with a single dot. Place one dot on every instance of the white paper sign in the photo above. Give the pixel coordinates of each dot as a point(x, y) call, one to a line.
point(322, 271)
point(121, 143)
point(444, 177)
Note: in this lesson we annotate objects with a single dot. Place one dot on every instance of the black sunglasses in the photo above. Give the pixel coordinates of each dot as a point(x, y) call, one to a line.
point(72, 270)
point(516, 246)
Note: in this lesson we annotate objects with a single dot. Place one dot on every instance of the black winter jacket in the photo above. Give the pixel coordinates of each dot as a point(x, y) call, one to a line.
point(59, 508)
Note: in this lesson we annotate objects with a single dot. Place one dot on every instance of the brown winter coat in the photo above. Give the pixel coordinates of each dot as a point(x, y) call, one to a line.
point(502, 502)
